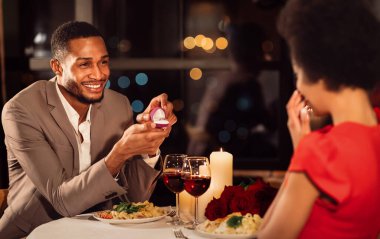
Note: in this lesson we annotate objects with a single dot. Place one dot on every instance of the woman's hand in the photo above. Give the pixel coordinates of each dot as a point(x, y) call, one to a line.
point(298, 118)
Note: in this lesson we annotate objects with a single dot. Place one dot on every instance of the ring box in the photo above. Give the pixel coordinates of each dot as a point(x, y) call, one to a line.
point(158, 116)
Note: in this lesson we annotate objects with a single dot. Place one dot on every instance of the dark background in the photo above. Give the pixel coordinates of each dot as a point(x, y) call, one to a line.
point(152, 30)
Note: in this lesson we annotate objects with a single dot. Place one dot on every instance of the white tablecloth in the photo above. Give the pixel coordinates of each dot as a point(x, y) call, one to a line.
point(86, 227)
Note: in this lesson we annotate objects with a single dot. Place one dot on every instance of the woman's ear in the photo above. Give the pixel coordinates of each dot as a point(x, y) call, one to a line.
point(56, 67)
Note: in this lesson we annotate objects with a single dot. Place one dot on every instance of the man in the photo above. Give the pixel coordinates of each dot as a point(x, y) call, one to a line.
point(72, 145)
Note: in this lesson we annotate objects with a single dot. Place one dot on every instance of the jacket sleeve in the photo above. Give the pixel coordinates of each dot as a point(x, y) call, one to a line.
point(69, 195)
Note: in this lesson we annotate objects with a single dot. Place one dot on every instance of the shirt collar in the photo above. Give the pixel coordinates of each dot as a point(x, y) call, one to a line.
point(71, 113)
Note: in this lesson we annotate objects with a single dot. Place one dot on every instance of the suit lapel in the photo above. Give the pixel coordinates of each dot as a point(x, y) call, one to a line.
point(58, 113)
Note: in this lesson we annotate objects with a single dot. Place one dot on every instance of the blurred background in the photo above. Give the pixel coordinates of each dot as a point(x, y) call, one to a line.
point(222, 64)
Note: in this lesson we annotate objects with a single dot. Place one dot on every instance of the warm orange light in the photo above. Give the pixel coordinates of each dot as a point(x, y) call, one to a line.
point(207, 43)
point(221, 43)
point(195, 73)
point(198, 40)
point(189, 42)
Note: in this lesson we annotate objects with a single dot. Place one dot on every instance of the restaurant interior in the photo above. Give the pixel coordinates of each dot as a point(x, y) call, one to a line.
point(189, 49)
point(222, 63)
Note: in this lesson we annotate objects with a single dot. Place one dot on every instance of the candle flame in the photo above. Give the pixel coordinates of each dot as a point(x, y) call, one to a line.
point(221, 149)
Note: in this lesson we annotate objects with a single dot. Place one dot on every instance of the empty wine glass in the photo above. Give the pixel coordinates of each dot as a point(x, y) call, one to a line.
point(197, 177)
point(172, 177)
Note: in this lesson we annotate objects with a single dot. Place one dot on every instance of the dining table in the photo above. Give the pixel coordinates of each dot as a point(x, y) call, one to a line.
point(85, 226)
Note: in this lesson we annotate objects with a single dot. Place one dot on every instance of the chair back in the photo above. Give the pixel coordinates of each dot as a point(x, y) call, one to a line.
point(3, 200)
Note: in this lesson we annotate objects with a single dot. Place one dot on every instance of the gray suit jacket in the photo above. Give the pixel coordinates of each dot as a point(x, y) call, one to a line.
point(43, 159)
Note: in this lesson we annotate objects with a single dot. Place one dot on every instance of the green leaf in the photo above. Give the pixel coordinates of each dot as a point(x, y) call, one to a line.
point(245, 185)
point(234, 221)
point(133, 208)
point(122, 206)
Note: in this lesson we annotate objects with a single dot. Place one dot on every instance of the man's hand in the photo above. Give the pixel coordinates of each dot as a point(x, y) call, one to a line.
point(298, 119)
point(158, 101)
point(137, 139)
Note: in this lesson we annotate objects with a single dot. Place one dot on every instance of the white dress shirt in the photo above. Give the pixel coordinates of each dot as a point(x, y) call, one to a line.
point(83, 136)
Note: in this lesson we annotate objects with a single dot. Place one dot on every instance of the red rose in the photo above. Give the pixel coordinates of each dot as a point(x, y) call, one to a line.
point(257, 185)
point(216, 208)
point(230, 191)
point(245, 203)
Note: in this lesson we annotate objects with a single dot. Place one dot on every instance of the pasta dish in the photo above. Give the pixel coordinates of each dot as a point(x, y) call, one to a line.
point(126, 210)
point(233, 223)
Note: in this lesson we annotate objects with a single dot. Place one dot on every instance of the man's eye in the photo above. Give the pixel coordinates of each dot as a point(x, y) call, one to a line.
point(83, 65)
point(105, 62)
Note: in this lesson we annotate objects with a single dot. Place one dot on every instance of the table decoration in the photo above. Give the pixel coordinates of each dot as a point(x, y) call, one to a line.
point(221, 166)
point(253, 198)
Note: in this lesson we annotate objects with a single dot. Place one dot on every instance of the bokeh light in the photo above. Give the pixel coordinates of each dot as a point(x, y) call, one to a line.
point(198, 40)
point(124, 46)
point(195, 73)
point(207, 43)
point(189, 42)
point(108, 84)
point(123, 82)
point(137, 106)
point(141, 79)
point(224, 136)
point(243, 103)
point(221, 43)
point(178, 104)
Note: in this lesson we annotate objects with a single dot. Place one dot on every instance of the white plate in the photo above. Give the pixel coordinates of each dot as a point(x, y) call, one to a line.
point(223, 236)
point(128, 221)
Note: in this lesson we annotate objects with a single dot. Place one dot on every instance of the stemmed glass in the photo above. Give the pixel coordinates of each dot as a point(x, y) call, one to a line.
point(197, 177)
point(172, 177)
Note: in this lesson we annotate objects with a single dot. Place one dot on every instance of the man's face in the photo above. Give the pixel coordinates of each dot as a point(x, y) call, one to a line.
point(85, 69)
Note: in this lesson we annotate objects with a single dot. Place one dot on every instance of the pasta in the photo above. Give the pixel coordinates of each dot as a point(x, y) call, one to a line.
point(138, 210)
point(233, 223)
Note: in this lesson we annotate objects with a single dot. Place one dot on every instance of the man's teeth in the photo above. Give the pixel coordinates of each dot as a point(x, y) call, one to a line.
point(93, 86)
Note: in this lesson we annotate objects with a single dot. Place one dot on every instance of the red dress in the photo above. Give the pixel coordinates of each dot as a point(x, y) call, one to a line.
point(343, 162)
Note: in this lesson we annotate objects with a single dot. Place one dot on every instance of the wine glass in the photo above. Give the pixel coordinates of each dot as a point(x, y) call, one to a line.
point(172, 177)
point(197, 177)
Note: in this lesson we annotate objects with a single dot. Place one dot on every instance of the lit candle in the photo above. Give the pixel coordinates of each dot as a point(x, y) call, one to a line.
point(221, 171)
point(221, 164)
point(186, 206)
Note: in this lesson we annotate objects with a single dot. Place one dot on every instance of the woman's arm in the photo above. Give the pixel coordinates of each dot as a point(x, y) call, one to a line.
point(291, 208)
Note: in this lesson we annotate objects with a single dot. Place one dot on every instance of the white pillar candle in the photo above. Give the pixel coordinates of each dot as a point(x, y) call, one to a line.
point(186, 206)
point(221, 164)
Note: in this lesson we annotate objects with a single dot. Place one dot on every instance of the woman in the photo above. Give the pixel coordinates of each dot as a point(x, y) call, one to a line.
point(332, 189)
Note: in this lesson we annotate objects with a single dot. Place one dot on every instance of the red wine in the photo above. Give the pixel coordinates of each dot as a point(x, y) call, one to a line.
point(174, 182)
point(196, 185)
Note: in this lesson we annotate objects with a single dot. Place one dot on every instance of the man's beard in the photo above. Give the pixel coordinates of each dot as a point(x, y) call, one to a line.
point(85, 100)
point(74, 89)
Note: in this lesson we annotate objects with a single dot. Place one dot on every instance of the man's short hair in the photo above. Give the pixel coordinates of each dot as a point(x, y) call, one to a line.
point(69, 31)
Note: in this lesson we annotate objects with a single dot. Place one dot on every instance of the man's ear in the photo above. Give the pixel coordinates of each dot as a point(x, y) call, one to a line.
point(55, 66)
